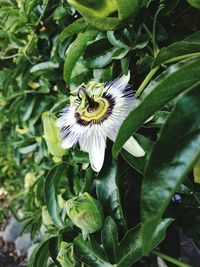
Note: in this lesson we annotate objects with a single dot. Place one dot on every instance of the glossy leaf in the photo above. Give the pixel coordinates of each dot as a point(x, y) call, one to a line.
point(139, 163)
point(109, 237)
point(77, 26)
point(175, 80)
point(194, 3)
point(50, 191)
point(44, 66)
point(130, 248)
point(87, 254)
point(173, 156)
point(76, 50)
point(98, 54)
point(186, 47)
point(33, 261)
point(108, 192)
point(100, 14)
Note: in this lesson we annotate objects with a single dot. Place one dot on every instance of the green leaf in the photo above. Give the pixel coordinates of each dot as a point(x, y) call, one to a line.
point(130, 248)
point(108, 192)
point(194, 3)
point(27, 107)
point(173, 156)
point(180, 49)
point(175, 80)
point(89, 178)
point(76, 50)
point(77, 26)
point(50, 192)
point(158, 120)
point(116, 40)
point(79, 156)
point(44, 66)
point(28, 149)
point(33, 261)
point(109, 237)
point(98, 54)
point(139, 163)
point(106, 14)
point(84, 251)
point(119, 53)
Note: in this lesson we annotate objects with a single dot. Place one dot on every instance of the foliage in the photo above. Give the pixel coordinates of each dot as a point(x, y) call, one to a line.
point(49, 46)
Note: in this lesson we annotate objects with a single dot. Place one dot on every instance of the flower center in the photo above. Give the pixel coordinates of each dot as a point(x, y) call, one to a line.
point(95, 112)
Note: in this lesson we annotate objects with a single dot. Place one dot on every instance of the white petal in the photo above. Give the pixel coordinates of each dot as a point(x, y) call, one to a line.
point(133, 147)
point(124, 79)
point(94, 142)
point(69, 141)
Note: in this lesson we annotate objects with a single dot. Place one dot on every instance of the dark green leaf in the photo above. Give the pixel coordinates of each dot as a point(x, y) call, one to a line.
point(173, 156)
point(77, 26)
point(108, 192)
point(76, 50)
point(36, 253)
point(44, 66)
point(85, 252)
point(109, 237)
point(130, 248)
point(158, 120)
point(182, 48)
point(50, 192)
point(194, 3)
point(165, 87)
point(139, 163)
point(98, 54)
point(89, 178)
point(116, 40)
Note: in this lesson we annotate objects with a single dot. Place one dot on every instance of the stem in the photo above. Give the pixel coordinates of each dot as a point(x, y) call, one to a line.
point(155, 47)
point(42, 14)
point(170, 259)
point(146, 81)
point(182, 57)
point(11, 56)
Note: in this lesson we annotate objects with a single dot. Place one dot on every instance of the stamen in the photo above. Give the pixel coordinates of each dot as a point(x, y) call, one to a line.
point(92, 104)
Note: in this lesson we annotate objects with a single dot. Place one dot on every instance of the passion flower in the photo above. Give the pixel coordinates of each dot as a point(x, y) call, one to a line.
point(96, 112)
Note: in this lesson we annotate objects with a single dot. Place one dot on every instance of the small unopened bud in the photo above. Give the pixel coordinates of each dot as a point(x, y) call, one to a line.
point(65, 255)
point(46, 218)
point(29, 179)
point(51, 135)
point(85, 212)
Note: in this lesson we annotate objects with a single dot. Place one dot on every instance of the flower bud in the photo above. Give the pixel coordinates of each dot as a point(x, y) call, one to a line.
point(29, 180)
point(51, 135)
point(85, 212)
point(46, 218)
point(65, 255)
point(106, 14)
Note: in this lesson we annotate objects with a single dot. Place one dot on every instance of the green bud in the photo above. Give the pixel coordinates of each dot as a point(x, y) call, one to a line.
point(106, 14)
point(29, 179)
point(46, 218)
point(85, 212)
point(65, 255)
point(51, 135)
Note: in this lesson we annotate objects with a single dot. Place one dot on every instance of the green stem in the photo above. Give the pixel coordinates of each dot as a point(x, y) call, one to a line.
point(146, 81)
point(182, 57)
point(8, 57)
point(170, 259)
